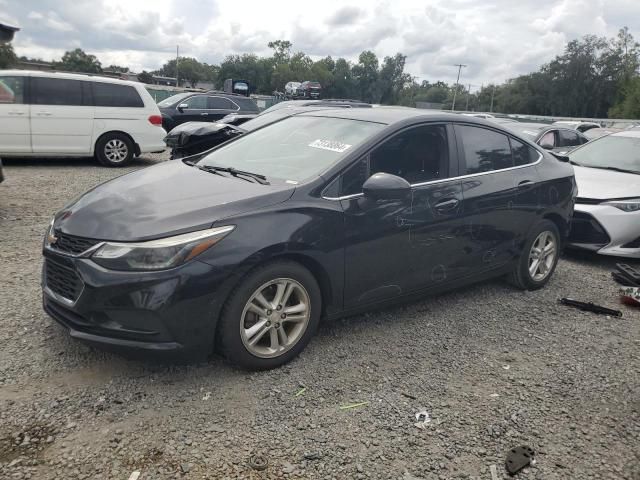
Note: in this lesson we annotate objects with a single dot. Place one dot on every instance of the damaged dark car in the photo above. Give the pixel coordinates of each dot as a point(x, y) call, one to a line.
point(320, 215)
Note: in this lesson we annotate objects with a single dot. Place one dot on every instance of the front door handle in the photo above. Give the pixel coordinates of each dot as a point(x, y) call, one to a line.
point(447, 205)
point(44, 114)
point(16, 113)
point(204, 114)
point(526, 183)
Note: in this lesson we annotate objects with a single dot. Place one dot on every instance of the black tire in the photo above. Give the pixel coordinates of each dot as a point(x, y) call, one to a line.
point(521, 277)
point(114, 150)
point(229, 339)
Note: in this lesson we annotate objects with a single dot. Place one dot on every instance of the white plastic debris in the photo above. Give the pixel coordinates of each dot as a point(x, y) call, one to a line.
point(207, 396)
point(134, 475)
point(506, 367)
point(494, 472)
point(422, 419)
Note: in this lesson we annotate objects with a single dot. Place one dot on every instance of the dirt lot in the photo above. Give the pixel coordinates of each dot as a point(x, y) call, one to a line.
point(493, 366)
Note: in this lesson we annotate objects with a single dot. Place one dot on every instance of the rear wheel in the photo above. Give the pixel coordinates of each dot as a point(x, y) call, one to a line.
point(270, 317)
point(539, 258)
point(114, 150)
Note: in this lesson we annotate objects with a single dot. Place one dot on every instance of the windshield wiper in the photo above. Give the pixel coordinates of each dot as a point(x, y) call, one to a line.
point(261, 179)
point(615, 169)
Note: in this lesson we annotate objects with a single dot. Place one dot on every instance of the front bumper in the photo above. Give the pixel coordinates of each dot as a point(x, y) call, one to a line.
point(174, 310)
point(606, 230)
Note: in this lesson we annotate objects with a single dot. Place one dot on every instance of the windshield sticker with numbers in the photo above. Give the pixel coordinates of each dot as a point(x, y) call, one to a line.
point(331, 145)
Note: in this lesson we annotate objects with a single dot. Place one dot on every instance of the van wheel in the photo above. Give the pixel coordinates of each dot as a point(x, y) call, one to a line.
point(114, 150)
point(539, 258)
point(270, 317)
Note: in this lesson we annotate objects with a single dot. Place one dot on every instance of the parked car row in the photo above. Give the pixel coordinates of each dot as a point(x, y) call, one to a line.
point(295, 90)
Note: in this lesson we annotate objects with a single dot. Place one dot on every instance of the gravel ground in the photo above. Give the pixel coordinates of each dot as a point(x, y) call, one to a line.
point(493, 366)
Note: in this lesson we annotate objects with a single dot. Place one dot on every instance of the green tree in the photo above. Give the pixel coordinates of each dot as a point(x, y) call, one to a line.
point(8, 57)
point(392, 78)
point(145, 77)
point(629, 106)
point(117, 68)
point(79, 61)
point(366, 77)
point(281, 50)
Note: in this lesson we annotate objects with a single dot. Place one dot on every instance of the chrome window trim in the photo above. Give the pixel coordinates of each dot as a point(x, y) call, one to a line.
point(442, 180)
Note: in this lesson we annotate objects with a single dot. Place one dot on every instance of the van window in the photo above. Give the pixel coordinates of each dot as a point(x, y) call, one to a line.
point(113, 95)
point(484, 149)
point(56, 91)
point(12, 90)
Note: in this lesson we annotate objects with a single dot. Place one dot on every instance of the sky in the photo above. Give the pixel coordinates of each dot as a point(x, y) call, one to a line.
point(496, 39)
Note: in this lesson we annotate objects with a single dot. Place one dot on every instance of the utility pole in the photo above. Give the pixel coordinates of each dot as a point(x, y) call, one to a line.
point(493, 92)
point(455, 91)
point(177, 60)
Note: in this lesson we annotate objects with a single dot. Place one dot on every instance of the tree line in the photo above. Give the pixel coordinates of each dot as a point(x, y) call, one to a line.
point(592, 77)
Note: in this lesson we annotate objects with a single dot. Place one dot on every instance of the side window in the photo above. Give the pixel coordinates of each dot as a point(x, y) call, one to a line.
point(219, 103)
point(12, 90)
point(523, 154)
point(418, 155)
point(484, 150)
point(197, 102)
point(56, 91)
point(113, 95)
point(548, 140)
point(568, 138)
point(354, 177)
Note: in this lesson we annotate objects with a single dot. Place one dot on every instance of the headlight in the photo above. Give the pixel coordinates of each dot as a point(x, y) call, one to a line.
point(631, 205)
point(50, 236)
point(158, 254)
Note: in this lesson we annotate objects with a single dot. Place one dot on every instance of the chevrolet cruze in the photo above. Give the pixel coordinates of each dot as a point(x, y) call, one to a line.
point(245, 249)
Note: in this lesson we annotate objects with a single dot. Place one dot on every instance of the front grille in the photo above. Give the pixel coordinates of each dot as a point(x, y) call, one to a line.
point(62, 280)
point(586, 229)
point(73, 245)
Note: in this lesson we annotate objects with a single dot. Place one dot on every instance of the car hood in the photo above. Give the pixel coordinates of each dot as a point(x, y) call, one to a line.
point(599, 184)
point(164, 200)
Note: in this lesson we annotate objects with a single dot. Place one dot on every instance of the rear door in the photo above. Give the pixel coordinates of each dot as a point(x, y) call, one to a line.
point(492, 189)
point(218, 107)
point(15, 128)
point(61, 116)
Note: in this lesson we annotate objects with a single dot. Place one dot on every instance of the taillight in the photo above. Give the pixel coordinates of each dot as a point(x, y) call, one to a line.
point(155, 120)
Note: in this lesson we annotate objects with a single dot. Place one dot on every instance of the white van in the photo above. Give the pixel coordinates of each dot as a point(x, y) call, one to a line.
point(55, 114)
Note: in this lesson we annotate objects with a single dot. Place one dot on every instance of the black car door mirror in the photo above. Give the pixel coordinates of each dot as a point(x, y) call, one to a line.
point(183, 106)
point(547, 146)
point(384, 186)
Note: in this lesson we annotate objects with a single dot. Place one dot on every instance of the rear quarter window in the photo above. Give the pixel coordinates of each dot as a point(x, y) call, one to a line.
point(523, 154)
point(484, 150)
point(113, 95)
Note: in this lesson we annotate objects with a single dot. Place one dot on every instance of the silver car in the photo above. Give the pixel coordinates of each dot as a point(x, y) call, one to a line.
point(607, 212)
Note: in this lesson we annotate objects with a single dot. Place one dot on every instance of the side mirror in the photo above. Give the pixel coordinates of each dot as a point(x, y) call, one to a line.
point(547, 146)
point(183, 106)
point(384, 186)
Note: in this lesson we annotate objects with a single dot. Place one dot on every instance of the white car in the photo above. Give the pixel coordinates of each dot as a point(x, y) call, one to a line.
point(607, 211)
point(577, 125)
point(54, 114)
point(291, 89)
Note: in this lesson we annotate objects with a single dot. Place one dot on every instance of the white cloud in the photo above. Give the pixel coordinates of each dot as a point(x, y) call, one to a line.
point(497, 39)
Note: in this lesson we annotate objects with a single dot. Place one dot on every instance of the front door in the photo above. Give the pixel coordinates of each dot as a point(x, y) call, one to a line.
point(61, 116)
point(218, 107)
point(15, 128)
point(196, 110)
point(400, 246)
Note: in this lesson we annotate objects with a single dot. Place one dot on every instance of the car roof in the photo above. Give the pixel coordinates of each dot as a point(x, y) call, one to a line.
point(391, 115)
point(627, 133)
point(69, 76)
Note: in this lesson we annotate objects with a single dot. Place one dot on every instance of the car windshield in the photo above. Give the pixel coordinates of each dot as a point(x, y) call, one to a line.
point(609, 152)
point(167, 102)
point(295, 148)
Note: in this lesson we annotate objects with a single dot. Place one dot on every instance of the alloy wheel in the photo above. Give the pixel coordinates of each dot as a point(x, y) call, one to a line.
point(116, 150)
point(275, 317)
point(542, 256)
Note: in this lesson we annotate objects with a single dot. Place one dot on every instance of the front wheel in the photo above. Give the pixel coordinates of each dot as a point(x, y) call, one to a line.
point(270, 317)
point(539, 258)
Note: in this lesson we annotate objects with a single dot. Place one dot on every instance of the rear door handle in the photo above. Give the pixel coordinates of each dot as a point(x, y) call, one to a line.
point(204, 114)
point(447, 205)
point(16, 113)
point(44, 114)
point(526, 183)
